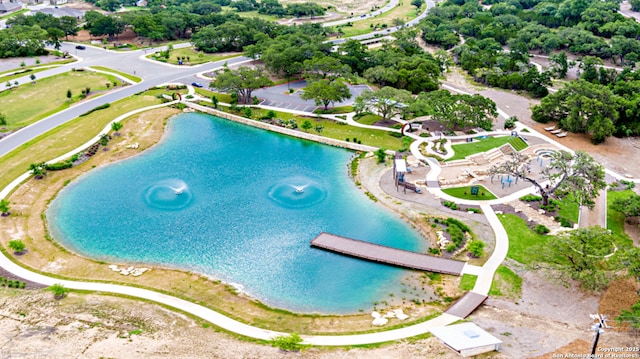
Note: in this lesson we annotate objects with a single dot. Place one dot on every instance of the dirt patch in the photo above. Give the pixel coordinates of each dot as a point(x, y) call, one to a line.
point(127, 37)
point(348, 7)
point(621, 294)
point(613, 154)
point(33, 324)
point(577, 346)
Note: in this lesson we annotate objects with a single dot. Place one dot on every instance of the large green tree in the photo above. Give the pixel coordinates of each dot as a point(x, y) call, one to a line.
point(242, 81)
point(581, 255)
point(325, 67)
point(456, 111)
point(386, 102)
point(577, 176)
point(629, 206)
point(583, 107)
point(325, 92)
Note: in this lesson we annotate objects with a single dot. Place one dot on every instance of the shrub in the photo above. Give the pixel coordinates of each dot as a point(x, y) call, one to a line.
point(563, 221)
point(531, 198)
point(451, 247)
point(288, 343)
point(457, 236)
point(59, 166)
point(450, 205)
point(510, 122)
point(58, 290)
point(541, 229)
point(628, 184)
point(270, 114)
point(17, 245)
point(433, 250)
point(381, 155)
point(457, 223)
point(476, 247)
point(97, 108)
point(247, 112)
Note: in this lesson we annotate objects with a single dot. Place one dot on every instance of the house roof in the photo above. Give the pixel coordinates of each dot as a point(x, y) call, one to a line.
point(465, 336)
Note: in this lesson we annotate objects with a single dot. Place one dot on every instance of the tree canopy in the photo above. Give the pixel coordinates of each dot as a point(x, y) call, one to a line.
point(581, 106)
point(242, 81)
point(456, 111)
point(578, 176)
point(581, 255)
point(325, 92)
point(386, 102)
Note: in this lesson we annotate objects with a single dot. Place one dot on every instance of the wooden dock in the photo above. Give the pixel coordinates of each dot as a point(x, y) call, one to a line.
point(388, 255)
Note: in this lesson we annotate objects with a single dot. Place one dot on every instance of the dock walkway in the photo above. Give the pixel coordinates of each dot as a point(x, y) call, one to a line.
point(389, 255)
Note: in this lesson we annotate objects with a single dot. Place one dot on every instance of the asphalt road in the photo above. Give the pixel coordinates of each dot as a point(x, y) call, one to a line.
point(391, 30)
point(388, 7)
point(153, 74)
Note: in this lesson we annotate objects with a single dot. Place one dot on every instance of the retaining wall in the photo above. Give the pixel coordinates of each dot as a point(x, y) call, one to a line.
point(283, 130)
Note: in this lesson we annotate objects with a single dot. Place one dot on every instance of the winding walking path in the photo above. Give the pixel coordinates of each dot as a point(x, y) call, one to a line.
point(170, 73)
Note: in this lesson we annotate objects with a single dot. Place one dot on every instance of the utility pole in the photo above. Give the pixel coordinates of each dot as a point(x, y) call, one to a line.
point(598, 327)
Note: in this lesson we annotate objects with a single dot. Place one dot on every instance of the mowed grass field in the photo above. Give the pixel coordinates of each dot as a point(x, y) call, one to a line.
point(405, 11)
point(31, 102)
point(66, 137)
point(193, 56)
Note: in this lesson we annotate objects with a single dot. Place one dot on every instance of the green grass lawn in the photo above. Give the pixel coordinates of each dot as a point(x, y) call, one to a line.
point(193, 56)
point(615, 219)
point(522, 240)
point(247, 14)
point(333, 129)
point(518, 143)
point(569, 210)
point(368, 119)
point(465, 193)
point(222, 97)
point(477, 146)
point(334, 110)
point(30, 102)
point(22, 11)
point(66, 137)
point(506, 284)
point(135, 79)
point(404, 11)
point(467, 282)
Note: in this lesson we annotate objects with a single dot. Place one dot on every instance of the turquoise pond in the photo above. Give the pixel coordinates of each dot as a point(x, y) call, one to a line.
point(238, 204)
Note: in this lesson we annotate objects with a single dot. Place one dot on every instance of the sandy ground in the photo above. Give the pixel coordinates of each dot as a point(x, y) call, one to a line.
point(614, 154)
point(345, 6)
point(34, 325)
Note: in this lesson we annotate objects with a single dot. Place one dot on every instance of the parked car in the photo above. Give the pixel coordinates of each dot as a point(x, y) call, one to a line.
point(81, 47)
point(196, 84)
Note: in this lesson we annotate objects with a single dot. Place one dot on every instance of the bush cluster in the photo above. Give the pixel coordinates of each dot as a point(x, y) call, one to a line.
point(97, 108)
point(531, 198)
point(564, 222)
point(450, 205)
point(541, 229)
point(4, 282)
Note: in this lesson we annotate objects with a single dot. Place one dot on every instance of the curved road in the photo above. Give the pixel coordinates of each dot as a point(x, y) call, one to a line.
point(388, 7)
